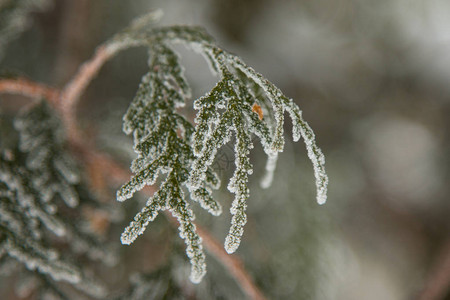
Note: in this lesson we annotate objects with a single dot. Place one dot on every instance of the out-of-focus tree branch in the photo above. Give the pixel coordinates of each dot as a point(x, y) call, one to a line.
point(77, 85)
point(73, 42)
point(25, 87)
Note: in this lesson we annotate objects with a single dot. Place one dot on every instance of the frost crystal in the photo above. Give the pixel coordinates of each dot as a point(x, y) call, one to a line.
point(242, 103)
point(270, 169)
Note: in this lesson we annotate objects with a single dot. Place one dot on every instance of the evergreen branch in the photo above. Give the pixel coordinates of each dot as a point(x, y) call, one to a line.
point(231, 263)
point(300, 126)
point(166, 143)
point(35, 256)
point(228, 107)
point(112, 170)
point(29, 182)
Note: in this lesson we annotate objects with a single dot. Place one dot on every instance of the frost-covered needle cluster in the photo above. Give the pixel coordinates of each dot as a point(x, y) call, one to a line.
point(38, 194)
point(167, 143)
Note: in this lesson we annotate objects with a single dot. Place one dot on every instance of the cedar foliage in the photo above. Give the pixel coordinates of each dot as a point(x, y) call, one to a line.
point(40, 184)
point(39, 192)
point(167, 143)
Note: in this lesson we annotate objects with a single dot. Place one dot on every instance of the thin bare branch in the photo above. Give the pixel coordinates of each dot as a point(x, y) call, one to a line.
point(78, 84)
point(25, 87)
point(73, 43)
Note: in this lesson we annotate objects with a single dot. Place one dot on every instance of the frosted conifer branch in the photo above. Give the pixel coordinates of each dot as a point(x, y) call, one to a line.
point(162, 149)
point(32, 184)
point(166, 143)
point(141, 220)
point(29, 199)
point(199, 40)
point(35, 256)
point(42, 139)
point(302, 129)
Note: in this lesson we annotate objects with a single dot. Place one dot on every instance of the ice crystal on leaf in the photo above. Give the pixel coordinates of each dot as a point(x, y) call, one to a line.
point(167, 143)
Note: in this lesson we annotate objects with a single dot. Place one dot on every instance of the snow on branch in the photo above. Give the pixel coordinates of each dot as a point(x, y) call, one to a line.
point(169, 146)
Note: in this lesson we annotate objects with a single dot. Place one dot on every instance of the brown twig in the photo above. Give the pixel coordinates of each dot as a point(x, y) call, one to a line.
point(76, 87)
point(73, 44)
point(438, 283)
point(29, 88)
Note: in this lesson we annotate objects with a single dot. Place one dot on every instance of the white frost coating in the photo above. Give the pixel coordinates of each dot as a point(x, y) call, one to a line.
point(274, 95)
point(194, 248)
point(51, 209)
point(53, 224)
point(238, 186)
point(7, 217)
point(226, 108)
point(212, 179)
point(146, 20)
point(239, 219)
point(63, 165)
point(68, 194)
point(279, 100)
point(318, 160)
point(271, 165)
point(42, 139)
point(145, 177)
point(141, 220)
point(218, 138)
point(29, 202)
point(204, 198)
point(301, 127)
point(207, 54)
point(262, 131)
point(92, 287)
point(41, 261)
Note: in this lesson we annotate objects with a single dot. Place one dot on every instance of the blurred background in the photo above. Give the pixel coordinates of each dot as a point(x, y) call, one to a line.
point(373, 81)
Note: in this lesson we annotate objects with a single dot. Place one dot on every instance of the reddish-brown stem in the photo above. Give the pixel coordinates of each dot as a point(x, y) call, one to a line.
point(76, 87)
point(29, 88)
point(73, 43)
